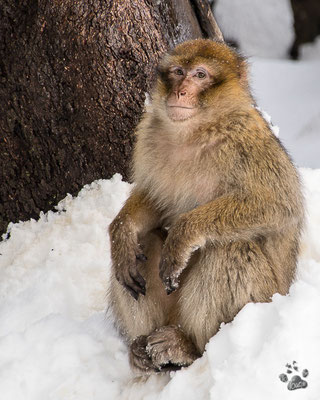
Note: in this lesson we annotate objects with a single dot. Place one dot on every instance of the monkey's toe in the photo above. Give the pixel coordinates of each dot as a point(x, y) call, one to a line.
point(139, 358)
point(170, 349)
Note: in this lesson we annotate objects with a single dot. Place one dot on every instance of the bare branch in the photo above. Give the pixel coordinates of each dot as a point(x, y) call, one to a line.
point(206, 20)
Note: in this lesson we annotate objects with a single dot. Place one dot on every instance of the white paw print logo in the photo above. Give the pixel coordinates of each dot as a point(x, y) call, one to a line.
point(292, 376)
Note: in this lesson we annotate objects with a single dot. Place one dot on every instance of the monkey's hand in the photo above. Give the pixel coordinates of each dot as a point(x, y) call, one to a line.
point(178, 248)
point(126, 257)
point(127, 274)
point(170, 270)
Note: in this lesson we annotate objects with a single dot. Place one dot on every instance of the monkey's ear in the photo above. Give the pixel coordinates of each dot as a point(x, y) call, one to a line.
point(163, 66)
point(164, 62)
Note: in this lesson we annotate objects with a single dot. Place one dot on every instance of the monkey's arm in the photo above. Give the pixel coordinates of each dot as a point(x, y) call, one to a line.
point(228, 218)
point(136, 217)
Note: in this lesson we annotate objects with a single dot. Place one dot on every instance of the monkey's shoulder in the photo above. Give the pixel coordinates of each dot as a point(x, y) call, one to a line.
point(251, 152)
point(248, 135)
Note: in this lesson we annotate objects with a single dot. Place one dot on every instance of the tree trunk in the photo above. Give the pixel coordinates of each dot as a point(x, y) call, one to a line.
point(73, 79)
point(306, 15)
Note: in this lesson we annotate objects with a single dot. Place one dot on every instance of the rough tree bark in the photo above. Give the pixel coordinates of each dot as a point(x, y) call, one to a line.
point(73, 78)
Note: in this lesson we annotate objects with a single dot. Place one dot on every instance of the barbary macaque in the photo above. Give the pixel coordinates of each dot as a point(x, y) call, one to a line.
point(215, 214)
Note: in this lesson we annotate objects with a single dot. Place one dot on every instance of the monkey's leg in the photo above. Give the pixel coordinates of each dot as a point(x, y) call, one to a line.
point(219, 284)
point(138, 318)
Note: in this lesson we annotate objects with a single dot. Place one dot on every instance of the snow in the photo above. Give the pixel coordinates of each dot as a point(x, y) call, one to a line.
point(57, 341)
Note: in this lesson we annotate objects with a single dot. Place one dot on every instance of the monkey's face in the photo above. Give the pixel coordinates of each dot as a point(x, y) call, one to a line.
point(186, 85)
point(195, 77)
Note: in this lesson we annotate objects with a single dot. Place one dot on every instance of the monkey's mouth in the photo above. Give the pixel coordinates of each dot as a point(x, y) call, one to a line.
point(180, 113)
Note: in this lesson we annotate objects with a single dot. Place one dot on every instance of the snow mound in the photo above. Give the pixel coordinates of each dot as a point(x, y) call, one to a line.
point(57, 342)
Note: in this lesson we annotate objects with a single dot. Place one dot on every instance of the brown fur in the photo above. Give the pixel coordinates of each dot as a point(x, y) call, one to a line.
point(230, 199)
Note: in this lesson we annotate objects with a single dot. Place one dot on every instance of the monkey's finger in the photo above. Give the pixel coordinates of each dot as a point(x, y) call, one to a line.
point(133, 293)
point(169, 367)
point(170, 284)
point(141, 364)
point(138, 278)
point(138, 347)
point(140, 352)
point(162, 268)
point(139, 281)
point(170, 290)
point(126, 281)
point(153, 340)
point(135, 286)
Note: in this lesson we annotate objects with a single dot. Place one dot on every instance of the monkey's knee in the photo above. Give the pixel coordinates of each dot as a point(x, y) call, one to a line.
point(170, 349)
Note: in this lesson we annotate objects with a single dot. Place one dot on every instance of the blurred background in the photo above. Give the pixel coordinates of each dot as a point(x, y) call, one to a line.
point(281, 40)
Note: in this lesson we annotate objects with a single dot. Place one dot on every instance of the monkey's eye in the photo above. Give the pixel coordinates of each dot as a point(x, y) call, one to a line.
point(201, 74)
point(178, 71)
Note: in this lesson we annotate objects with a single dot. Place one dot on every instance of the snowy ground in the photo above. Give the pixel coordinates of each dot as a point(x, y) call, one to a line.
point(57, 343)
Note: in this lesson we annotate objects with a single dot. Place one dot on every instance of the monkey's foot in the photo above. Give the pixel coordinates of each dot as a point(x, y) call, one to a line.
point(170, 349)
point(139, 358)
